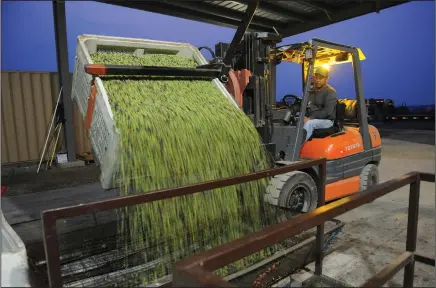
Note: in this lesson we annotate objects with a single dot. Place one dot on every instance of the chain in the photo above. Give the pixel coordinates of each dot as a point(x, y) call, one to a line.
point(258, 282)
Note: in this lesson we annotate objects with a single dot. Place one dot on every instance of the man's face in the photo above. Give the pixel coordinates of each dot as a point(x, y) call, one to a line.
point(319, 81)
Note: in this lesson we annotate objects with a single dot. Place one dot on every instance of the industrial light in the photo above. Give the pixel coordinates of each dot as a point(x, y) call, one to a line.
point(326, 66)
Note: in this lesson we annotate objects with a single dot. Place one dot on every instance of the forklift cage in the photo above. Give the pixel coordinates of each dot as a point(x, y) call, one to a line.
point(354, 55)
point(197, 271)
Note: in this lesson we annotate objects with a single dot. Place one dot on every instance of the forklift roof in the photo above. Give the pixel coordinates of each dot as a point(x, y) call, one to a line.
point(327, 54)
point(286, 17)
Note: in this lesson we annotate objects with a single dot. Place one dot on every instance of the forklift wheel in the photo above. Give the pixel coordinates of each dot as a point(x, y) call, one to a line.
point(369, 177)
point(299, 194)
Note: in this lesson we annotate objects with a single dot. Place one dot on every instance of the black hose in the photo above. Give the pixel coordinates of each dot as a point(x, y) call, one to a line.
point(208, 49)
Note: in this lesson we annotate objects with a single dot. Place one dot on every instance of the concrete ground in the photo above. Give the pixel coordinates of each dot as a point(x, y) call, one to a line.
point(404, 125)
point(375, 234)
point(24, 180)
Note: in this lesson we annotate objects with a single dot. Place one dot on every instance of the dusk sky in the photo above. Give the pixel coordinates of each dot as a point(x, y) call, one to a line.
point(399, 43)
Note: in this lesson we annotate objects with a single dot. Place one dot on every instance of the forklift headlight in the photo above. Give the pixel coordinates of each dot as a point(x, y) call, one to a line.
point(326, 66)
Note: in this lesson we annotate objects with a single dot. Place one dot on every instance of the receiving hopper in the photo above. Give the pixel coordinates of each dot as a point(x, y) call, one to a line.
point(103, 134)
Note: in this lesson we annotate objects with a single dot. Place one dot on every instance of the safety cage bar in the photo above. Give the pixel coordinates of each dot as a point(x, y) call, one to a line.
point(49, 217)
point(197, 270)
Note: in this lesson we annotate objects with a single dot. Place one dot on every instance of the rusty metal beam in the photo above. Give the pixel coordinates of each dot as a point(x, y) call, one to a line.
point(52, 254)
point(49, 217)
point(389, 270)
point(319, 245)
point(425, 260)
point(225, 254)
point(230, 252)
point(124, 201)
point(427, 177)
point(235, 250)
point(412, 230)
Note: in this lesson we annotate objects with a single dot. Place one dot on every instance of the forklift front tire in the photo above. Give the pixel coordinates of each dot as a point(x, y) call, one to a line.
point(369, 177)
point(299, 193)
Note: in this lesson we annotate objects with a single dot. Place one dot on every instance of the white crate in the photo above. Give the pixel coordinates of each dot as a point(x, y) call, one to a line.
point(104, 137)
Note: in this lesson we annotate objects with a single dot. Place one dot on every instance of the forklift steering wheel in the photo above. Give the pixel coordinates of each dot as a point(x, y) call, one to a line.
point(291, 96)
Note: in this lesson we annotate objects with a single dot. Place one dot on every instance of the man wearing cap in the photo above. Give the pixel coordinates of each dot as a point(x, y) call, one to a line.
point(322, 104)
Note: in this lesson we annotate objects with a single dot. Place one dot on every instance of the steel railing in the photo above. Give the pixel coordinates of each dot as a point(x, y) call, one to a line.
point(197, 271)
point(49, 217)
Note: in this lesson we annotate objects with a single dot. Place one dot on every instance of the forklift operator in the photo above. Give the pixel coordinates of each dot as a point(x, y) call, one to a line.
point(322, 104)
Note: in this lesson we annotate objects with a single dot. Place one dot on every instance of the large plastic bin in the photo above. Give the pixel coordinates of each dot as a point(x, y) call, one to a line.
point(104, 137)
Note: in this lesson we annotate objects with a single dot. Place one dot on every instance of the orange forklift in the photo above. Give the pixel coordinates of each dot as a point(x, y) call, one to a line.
point(352, 147)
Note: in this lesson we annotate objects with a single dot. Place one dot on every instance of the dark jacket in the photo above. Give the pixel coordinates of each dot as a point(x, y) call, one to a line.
point(323, 103)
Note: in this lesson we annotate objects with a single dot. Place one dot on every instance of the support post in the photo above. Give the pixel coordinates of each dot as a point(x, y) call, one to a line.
point(319, 246)
point(60, 28)
point(412, 230)
point(51, 247)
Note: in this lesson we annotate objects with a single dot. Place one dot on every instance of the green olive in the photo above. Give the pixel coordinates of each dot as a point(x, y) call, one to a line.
point(181, 131)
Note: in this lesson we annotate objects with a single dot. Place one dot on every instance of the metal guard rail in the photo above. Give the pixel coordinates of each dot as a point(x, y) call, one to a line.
point(196, 271)
point(49, 217)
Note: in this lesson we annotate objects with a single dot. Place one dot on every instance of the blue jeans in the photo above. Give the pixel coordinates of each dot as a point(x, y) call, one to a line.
point(313, 124)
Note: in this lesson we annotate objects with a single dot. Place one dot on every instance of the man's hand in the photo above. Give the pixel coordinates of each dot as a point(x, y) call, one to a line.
point(308, 111)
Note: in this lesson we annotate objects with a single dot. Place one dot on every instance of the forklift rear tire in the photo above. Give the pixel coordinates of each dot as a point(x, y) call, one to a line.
point(369, 177)
point(299, 194)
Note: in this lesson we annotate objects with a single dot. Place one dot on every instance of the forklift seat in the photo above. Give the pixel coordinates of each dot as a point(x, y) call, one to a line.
point(338, 124)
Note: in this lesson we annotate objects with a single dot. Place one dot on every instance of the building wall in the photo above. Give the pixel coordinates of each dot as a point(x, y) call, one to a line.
point(28, 100)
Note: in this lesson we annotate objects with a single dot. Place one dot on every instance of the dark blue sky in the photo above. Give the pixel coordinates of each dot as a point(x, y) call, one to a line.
point(399, 43)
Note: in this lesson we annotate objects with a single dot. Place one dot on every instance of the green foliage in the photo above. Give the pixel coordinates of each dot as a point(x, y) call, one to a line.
point(180, 131)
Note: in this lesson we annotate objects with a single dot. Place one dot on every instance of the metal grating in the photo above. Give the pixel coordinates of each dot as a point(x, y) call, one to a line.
point(100, 260)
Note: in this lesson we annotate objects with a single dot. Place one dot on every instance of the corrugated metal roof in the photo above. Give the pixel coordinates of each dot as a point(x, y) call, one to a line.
point(287, 17)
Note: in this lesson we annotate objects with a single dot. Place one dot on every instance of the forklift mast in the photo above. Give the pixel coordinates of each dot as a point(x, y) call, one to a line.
point(252, 54)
